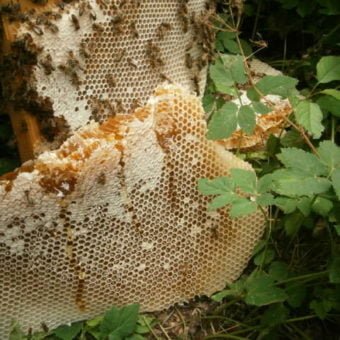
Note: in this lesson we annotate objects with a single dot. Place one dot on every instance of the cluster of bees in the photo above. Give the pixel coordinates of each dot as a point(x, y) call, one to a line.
point(28, 51)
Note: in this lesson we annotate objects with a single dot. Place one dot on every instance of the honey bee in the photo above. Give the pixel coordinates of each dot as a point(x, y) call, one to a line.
point(111, 80)
point(133, 30)
point(40, 2)
point(75, 80)
point(189, 46)
point(35, 28)
point(75, 22)
point(46, 63)
point(73, 62)
point(102, 3)
point(137, 3)
point(117, 22)
point(61, 5)
point(122, 3)
point(98, 27)
point(136, 103)
point(119, 106)
point(44, 327)
point(132, 62)
point(120, 55)
point(183, 14)
point(92, 13)
point(52, 27)
point(81, 8)
point(188, 60)
point(101, 179)
point(84, 50)
point(164, 77)
point(196, 81)
point(153, 53)
point(162, 30)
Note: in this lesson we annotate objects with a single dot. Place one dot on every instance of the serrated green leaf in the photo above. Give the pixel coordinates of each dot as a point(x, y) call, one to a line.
point(244, 179)
point(95, 321)
point(236, 289)
point(279, 85)
point(320, 307)
point(235, 65)
point(302, 161)
point(330, 104)
point(336, 182)
point(334, 270)
point(329, 154)
point(223, 122)
point(286, 204)
point(296, 294)
point(261, 291)
point(119, 322)
point(328, 69)
point(221, 77)
point(294, 184)
point(332, 92)
point(278, 271)
point(265, 200)
point(247, 119)
point(292, 138)
point(231, 46)
point(309, 115)
point(259, 246)
point(216, 186)
point(274, 315)
point(305, 205)
point(66, 332)
point(242, 207)
point(322, 206)
point(265, 183)
point(221, 201)
point(261, 108)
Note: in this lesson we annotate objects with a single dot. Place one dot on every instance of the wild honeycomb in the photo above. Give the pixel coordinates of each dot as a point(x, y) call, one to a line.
point(114, 217)
point(92, 59)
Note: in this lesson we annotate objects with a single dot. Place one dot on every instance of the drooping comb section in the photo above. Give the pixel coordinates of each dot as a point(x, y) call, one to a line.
point(114, 217)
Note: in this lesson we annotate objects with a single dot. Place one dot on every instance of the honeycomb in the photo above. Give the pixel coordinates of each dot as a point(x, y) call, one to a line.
point(114, 217)
point(97, 58)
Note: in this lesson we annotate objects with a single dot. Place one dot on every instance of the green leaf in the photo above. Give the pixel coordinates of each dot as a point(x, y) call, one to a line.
point(261, 108)
point(223, 122)
point(292, 138)
point(265, 183)
point(279, 85)
point(221, 201)
point(296, 294)
point(244, 179)
point(305, 205)
point(278, 271)
point(144, 324)
point(264, 257)
point(242, 207)
point(261, 291)
point(328, 69)
point(336, 182)
point(221, 77)
point(329, 104)
point(235, 65)
point(294, 184)
point(274, 315)
point(302, 161)
point(95, 321)
point(337, 229)
point(322, 206)
point(208, 103)
point(334, 270)
point(236, 289)
point(309, 115)
point(329, 154)
point(247, 119)
point(16, 333)
point(216, 186)
point(119, 323)
point(286, 204)
point(332, 92)
point(265, 200)
point(293, 223)
point(66, 332)
point(135, 337)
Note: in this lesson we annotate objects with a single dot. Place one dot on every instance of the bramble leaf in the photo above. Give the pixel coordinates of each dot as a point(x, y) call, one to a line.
point(302, 161)
point(244, 179)
point(119, 323)
point(66, 332)
point(242, 207)
point(221, 201)
point(261, 291)
point(330, 104)
point(274, 315)
point(329, 154)
point(247, 119)
point(261, 108)
point(332, 92)
point(328, 69)
point(309, 115)
point(216, 186)
point(221, 77)
point(223, 122)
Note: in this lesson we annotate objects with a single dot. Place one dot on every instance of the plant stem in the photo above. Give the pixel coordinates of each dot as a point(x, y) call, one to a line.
point(301, 318)
point(225, 336)
point(307, 277)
